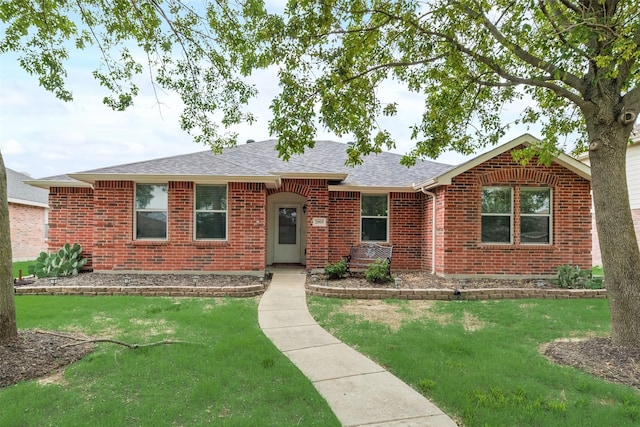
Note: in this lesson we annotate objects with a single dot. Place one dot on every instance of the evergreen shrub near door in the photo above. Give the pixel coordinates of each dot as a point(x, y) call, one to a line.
point(378, 272)
point(336, 270)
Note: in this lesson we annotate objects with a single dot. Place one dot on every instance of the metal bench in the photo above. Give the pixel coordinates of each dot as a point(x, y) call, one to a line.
point(365, 254)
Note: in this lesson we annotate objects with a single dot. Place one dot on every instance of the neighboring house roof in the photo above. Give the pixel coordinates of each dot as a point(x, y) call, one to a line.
point(259, 162)
point(24, 194)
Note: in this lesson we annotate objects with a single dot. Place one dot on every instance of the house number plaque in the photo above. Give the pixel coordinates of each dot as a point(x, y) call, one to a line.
point(319, 222)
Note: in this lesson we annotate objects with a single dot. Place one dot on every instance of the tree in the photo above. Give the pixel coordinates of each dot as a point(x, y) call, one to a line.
point(172, 39)
point(8, 327)
point(574, 62)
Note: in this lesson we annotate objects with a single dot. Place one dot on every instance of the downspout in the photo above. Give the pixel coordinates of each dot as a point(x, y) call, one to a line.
point(433, 232)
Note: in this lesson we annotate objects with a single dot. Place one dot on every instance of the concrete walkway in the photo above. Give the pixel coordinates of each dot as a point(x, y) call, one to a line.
point(359, 391)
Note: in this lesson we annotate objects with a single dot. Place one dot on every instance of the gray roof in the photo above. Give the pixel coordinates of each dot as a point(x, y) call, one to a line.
point(260, 159)
point(19, 192)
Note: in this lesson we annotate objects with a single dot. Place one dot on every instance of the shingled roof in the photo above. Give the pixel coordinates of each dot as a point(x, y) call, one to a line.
point(21, 193)
point(259, 162)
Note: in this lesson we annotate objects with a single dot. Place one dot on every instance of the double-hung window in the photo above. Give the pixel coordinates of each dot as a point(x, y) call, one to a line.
point(497, 215)
point(151, 211)
point(535, 215)
point(374, 218)
point(211, 212)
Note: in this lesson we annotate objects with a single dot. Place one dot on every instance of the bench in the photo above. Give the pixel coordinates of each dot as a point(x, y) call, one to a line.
point(365, 254)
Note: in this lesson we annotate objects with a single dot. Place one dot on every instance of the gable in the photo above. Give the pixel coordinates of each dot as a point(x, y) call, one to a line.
point(563, 160)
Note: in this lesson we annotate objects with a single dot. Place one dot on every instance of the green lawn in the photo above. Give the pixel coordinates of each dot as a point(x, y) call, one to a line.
point(479, 361)
point(22, 265)
point(228, 374)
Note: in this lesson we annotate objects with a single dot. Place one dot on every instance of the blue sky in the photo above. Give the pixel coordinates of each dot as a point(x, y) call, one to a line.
point(43, 136)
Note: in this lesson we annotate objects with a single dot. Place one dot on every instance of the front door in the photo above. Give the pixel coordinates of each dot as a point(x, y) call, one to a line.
point(287, 238)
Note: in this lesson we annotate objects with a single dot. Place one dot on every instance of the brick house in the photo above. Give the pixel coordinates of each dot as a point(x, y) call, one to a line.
point(28, 208)
point(245, 209)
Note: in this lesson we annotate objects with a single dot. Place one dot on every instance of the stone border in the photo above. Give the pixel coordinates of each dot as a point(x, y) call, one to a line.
point(453, 294)
point(165, 291)
point(316, 290)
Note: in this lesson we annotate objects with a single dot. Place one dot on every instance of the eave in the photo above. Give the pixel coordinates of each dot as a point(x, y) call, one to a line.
point(270, 181)
point(372, 189)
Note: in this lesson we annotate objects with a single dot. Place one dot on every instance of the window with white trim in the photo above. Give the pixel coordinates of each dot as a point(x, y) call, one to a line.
point(497, 215)
point(151, 211)
point(535, 215)
point(211, 212)
point(374, 218)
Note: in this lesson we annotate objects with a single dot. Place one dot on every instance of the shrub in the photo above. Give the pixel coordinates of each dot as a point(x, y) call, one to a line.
point(67, 261)
point(336, 270)
point(378, 272)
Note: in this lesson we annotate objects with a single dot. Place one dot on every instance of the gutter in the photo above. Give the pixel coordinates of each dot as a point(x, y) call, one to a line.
point(433, 231)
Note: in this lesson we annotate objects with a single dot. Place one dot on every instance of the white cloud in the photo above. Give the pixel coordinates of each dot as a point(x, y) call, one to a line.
point(12, 147)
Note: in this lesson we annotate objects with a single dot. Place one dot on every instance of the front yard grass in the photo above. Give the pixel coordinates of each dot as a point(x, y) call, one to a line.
point(228, 374)
point(480, 361)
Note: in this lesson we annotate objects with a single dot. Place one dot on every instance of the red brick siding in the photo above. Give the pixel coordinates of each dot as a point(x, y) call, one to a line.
point(344, 223)
point(406, 230)
point(462, 251)
point(27, 231)
point(115, 248)
point(71, 219)
point(405, 227)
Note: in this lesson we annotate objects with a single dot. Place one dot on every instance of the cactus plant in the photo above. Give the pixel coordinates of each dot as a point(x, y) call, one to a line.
point(67, 261)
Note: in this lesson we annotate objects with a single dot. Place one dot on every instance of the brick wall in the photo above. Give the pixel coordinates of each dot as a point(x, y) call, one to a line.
point(344, 223)
point(27, 231)
point(463, 253)
point(71, 219)
point(405, 227)
point(102, 221)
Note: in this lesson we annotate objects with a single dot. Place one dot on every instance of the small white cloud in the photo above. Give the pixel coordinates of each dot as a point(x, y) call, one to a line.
point(11, 146)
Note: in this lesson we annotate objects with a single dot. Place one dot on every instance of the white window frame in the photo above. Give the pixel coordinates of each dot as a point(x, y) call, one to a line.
point(362, 196)
point(225, 211)
point(501, 214)
point(136, 210)
point(549, 215)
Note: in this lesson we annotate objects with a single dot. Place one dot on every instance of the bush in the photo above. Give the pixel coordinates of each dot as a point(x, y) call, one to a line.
point(572, 277)
point(378, 272)
point(336, 270)
point(67, 261)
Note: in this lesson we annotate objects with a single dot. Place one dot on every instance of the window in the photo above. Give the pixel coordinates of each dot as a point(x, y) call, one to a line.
point(535, 215)
point(374, 218)
point(497, 215)
point(211, 212)
point(151, 211)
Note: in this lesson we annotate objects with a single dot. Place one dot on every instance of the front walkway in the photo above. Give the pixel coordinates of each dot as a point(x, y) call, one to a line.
point(359, 391)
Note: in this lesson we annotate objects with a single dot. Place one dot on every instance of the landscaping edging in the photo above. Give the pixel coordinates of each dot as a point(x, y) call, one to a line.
point(166, 291)
point(452, 294)
point(316, 290)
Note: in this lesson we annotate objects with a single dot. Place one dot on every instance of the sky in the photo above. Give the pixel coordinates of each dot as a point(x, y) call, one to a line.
point(43, 136)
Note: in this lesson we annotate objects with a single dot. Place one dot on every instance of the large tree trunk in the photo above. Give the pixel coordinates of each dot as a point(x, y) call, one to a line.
point(618, 244)
point(8, 327)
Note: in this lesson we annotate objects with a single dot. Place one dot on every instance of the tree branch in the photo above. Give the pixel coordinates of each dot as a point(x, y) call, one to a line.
point(565, 76)
point(81, 341)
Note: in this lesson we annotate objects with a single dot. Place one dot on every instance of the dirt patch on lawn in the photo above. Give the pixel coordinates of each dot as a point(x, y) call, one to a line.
point(597, 356)
point(36, 354)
